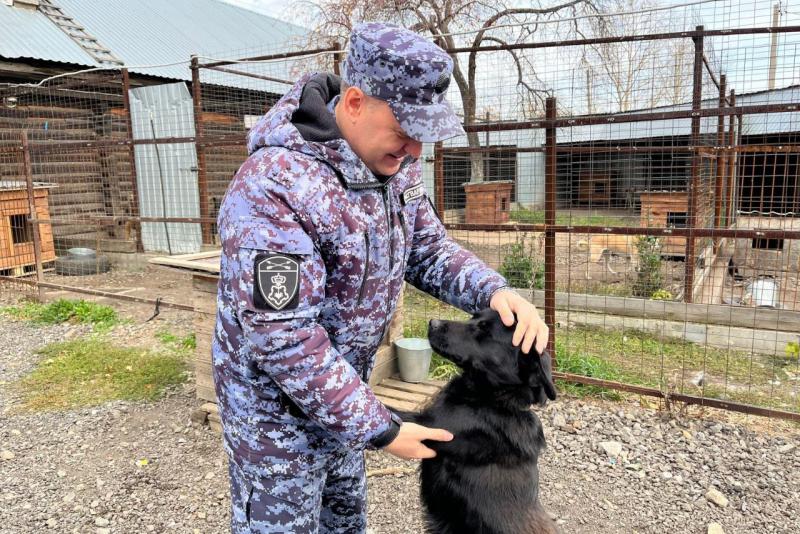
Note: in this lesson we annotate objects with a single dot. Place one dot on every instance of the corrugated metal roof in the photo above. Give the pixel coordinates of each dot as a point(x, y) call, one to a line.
point(758, 124)
point(144, 32)
point(29, 34)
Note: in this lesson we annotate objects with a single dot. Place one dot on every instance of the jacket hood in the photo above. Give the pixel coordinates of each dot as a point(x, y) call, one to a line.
point(300, 121)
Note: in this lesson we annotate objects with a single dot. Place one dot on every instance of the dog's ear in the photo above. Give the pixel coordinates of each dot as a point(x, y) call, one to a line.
point(543, 379)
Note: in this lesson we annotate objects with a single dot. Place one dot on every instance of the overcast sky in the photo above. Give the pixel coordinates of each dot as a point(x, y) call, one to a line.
point(744, 59)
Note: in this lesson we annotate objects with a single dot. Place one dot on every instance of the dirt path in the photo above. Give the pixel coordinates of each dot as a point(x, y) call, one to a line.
point(82, 471)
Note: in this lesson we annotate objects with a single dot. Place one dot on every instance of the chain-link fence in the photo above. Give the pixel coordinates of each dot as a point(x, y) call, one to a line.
point(636, 178)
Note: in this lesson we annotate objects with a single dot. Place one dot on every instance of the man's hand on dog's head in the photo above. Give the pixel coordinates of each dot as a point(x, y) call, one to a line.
point(408, 443)
point(530, 326)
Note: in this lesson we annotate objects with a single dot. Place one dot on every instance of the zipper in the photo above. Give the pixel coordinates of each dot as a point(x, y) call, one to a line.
point(389, 225)
point(405, 232)
point(366, 270)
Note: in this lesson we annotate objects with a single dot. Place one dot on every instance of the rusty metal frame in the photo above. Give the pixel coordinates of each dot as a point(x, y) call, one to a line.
point(33, 218)
point(126, 86)
point(97, 293)
point(202, 175)
point(550, 172)
point(680, 397)
point(728, 147)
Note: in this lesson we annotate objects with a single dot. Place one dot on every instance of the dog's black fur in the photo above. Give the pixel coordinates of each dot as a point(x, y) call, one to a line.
point(486, 481)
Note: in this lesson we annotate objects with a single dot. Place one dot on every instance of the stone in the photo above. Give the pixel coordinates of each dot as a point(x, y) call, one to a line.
point(101, 522)
point(7, 455)
point(715, 528)
point(559, 421)
point(789, 447)
point(716, 496)
point(612, 448)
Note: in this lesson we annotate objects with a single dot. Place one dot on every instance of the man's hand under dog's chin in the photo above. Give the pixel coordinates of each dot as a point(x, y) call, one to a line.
point(530, 327)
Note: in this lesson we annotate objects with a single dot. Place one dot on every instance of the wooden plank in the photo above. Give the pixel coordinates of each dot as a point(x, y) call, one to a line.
point(206, 393)
point(395, 404)
point(195, 265)
point(421, 388)
point(383, 370)
point(760, 318)
point(399, 394)
point(205, 284)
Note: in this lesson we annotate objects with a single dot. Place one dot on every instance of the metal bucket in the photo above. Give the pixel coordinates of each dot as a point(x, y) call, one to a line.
point(764, 292)
point(413, 358)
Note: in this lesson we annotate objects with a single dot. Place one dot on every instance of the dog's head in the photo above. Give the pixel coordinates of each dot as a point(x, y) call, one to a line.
point(482, 348)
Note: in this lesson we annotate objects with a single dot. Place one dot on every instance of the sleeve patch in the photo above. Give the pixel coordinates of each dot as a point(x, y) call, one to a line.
point(276, 282)
point(413, 193)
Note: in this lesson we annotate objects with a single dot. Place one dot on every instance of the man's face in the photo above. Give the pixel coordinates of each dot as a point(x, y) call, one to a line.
point(374, 134)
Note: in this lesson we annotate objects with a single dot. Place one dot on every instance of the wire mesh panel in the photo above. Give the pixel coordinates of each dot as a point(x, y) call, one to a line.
point(634, 173)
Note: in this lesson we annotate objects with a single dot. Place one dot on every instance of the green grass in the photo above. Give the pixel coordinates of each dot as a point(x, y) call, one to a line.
point(65, 310)
point(529, 216)
point(641, 358)
point(168, 338)
point(661, 362)
point(92, 371)
point(418, 309)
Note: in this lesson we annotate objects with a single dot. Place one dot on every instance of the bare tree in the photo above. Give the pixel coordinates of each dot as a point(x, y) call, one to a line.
point(486, 22)
point(636, 74)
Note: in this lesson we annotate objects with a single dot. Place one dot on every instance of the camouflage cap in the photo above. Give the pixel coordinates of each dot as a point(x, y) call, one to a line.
point(407, 71)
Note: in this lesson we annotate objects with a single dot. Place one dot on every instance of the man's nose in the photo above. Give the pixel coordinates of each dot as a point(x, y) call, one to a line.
point(413, 148)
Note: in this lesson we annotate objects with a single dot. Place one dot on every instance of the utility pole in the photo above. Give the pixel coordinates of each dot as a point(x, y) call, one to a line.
point(773, 49)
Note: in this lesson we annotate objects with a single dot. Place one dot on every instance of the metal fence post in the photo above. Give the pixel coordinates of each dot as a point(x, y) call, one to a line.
point(33, 218)
point(337, 58)
point(438, 177)
point(722, 161)
point(550, 221)
point(126, 99)
point(694, 182)
point(202, 175)
point(732, 164)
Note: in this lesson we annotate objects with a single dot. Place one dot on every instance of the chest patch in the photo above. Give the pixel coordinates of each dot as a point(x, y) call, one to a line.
point(413, 193)
point(276, 282)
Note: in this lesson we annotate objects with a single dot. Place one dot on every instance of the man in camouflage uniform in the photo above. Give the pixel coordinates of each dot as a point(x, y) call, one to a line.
point(320, 227)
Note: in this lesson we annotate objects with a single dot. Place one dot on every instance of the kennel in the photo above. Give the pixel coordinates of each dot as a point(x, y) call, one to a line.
point(16, 232)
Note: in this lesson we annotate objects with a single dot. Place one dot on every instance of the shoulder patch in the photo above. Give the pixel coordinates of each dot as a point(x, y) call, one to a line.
point(413, 193)
point(276, 282)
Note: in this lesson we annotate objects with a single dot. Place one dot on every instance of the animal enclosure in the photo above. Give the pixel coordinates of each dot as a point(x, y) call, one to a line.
point(653, 218)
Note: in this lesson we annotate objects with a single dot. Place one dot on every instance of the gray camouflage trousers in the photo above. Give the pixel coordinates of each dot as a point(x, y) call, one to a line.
point(328, 500)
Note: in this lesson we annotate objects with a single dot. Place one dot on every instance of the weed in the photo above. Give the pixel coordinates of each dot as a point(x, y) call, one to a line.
point(65, 310)
point(92, 371)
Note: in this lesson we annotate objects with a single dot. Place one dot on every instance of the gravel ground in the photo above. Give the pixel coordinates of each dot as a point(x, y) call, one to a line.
point(609, 468)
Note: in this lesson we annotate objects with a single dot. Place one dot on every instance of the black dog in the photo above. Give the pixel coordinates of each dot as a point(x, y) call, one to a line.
point(486, 481)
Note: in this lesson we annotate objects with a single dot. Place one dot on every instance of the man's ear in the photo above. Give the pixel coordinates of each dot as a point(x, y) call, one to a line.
point(353, 102)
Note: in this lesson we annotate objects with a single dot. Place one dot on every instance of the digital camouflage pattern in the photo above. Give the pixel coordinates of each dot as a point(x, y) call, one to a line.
point(410, 73)
point(328, 500)
point(292, 383)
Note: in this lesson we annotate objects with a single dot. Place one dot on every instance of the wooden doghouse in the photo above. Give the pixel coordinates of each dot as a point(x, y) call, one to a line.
point(666, 209)
point(488, 202)
point(204, 267)
point(594, 190)
point(16, 232)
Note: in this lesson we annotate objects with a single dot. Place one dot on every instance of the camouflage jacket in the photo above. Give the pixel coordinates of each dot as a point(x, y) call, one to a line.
point(292, 381)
